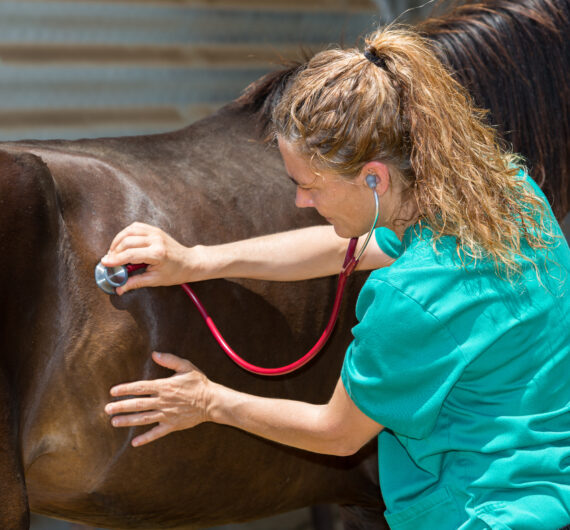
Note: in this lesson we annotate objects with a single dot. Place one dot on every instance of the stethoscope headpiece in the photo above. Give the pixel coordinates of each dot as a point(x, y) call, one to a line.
point(109, 278)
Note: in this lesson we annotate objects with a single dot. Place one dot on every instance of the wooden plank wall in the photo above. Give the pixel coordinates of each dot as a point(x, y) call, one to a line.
point(79, 68)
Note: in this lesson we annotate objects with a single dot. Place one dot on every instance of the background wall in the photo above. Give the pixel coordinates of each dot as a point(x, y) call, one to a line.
point(81, 68)
point(86, 68)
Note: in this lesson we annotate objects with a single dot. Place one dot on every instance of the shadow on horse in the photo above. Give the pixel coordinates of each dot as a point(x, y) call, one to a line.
point(64, 342)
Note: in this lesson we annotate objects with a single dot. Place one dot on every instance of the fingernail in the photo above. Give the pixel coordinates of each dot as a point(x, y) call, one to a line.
point(114, 422)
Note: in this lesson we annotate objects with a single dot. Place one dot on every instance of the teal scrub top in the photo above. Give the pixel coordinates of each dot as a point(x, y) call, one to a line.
point(470, 376)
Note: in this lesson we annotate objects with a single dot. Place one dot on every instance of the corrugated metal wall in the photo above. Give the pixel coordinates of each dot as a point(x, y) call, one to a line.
point(80, 68)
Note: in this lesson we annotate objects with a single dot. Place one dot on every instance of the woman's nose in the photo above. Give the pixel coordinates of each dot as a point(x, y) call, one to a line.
point(303, 199)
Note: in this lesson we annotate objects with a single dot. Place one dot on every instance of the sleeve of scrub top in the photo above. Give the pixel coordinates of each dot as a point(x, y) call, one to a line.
point(402, 362)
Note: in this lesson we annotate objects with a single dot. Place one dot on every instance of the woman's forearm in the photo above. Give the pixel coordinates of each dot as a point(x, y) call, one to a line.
point(336, 428)
point(280, 420)
point(301, 254)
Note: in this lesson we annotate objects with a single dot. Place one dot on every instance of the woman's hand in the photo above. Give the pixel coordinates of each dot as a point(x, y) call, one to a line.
point(188, 398)
point(175, 403)
point(167, 260)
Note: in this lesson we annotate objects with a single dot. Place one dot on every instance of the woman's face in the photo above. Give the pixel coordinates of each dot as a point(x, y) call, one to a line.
point(346, 204)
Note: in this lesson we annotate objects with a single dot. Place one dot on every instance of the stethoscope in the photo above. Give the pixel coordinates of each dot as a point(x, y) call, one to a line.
point(109, 278)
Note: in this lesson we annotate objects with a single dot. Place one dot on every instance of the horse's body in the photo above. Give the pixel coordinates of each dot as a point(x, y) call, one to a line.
point(64, 343)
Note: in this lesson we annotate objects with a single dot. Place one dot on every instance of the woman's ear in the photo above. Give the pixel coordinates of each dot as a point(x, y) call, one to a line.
point(379, 172)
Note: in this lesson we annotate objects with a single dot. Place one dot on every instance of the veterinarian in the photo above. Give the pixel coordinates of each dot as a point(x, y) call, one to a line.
point(461, 355)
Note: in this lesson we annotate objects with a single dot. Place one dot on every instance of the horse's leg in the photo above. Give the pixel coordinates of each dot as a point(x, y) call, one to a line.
point(26, 222)
point(361, 518)
point(14, 511)
point(322, 517)
point(369, 515)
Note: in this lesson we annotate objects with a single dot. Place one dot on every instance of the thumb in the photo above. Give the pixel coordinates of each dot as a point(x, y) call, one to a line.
point(172, 362)
point(136, 282)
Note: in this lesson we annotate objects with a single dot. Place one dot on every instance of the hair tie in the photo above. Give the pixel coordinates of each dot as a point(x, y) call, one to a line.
point(380, 62)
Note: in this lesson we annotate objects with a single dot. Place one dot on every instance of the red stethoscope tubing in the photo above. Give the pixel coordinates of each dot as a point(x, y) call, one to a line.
point(348, 266)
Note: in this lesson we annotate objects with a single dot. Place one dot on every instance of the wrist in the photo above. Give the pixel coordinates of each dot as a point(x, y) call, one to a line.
point(213, 402)
point(199, 264)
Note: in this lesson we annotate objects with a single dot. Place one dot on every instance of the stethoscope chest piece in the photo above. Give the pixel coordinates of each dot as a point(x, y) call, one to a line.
point(109, 278)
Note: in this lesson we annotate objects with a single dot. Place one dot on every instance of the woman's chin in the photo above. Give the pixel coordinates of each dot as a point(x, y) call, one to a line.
point(343, 232)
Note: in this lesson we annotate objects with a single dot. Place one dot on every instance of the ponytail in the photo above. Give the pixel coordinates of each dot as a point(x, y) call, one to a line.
point(396, 102)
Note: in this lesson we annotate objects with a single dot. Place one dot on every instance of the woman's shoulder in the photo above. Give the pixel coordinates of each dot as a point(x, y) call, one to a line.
point(418, 255)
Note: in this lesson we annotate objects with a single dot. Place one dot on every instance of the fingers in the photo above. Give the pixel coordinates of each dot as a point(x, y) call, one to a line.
point(135, 420)
point(144, 253)
point(146, 387)
point(136, 388)
point(172, 362)
point(131, 241)
point(132, 245)
point(145, 418)
point(131, 405)
point(150, 387)
point(154, 434)
point(134, 229)
point(137, 281)
point(140, 254)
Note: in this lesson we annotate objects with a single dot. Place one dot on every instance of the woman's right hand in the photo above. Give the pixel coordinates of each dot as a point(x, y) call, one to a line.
point(168, 261)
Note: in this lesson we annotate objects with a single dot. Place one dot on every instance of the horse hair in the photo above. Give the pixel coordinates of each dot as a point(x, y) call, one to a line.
point(513, 57)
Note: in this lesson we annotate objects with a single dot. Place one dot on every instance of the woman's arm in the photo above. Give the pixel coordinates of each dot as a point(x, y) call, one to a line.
point(287, 256)
point(300, 254)
point(189, 398)
point(336, 428)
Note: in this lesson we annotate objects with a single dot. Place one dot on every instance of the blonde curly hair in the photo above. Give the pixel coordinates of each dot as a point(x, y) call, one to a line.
point(402, 107)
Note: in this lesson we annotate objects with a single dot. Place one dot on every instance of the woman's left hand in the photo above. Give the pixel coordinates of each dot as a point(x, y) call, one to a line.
point(175, 403)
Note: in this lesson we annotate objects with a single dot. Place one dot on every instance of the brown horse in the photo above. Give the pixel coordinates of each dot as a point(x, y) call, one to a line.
point(64, 343)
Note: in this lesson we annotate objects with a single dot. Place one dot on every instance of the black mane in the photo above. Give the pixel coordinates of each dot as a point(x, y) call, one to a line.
point(513, 56)
point(261, 96)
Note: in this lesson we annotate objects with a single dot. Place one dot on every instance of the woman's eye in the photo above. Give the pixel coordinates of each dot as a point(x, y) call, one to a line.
point(300, 186)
